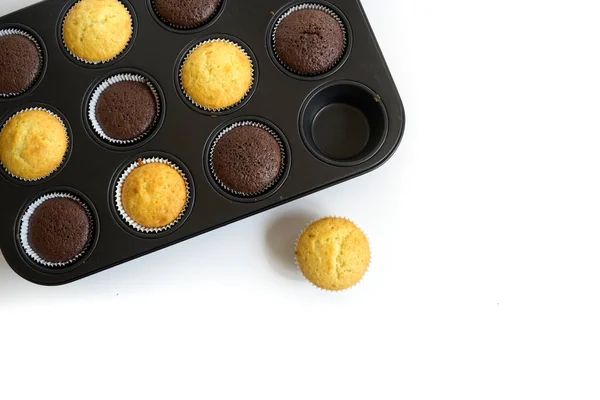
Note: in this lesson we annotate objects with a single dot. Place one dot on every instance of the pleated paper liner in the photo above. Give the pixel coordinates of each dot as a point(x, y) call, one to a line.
point(24, 230)
point(256, 125)
point(128, 77)
point(76, 57)
point(216, 110)
point(313, 284)
point(119, 188)
point(309, 6)
point(64, 157)
point(14, 31)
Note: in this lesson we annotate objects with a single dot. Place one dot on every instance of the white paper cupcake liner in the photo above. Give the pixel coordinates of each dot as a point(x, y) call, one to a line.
point(64, 157)
point(152, 2)
point(12, 31)
point(24, 231)
point(105, 85)
point(62, 37)
point(119, 189)
point(256, 125)
point(309, 6)
point(200, 105)
point(320, 288)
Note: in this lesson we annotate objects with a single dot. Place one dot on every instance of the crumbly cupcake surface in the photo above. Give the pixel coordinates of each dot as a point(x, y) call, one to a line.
point(217, 75)
point(33, 144)
point(126, 110)
point(20, 64)
point(186, 13)
point(333, 254)
point(97, 30)
point(309, 42)
point(59, 230)
point(247, 159)
point(154, 195)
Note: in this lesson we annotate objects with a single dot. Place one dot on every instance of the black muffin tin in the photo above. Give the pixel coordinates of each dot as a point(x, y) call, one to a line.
point(335, 127)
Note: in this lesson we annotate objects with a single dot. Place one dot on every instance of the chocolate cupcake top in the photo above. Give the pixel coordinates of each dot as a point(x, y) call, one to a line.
point(186, 13)
point(126, 110)
point(247, 160)
point(310, 41)
point(20, 64)
point(59, 230)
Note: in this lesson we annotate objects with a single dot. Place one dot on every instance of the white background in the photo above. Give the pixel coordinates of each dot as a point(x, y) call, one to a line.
point(485, 228)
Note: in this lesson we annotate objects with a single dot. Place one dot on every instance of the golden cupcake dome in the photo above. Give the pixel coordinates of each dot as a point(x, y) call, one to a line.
point(33, 144)
point(97, 31)
point(154, 195)
point(217, 75)
point(333, 254)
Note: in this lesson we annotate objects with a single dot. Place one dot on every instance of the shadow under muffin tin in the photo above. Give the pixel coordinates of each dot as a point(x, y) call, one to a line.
point(330, 126)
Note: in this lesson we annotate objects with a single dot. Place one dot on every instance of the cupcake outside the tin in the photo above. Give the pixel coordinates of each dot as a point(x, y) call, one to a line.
point(333, 254)
point(97, 31)
point(186, 14)
point(217, 75)
point(56, 230)
point(21, 62)
point(247, 159)
point(309, 39)
point(33, 144)
point(124, 109)
point(152, 195)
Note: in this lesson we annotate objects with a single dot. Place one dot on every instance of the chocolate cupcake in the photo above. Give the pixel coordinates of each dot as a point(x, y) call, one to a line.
point(309, 39)
point(124, 108)
point(56, 230)
point(247, 159)
point(20, 62)
point(186, 14)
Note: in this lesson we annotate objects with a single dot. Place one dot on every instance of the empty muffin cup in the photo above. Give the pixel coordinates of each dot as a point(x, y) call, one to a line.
point(124, 109)
point(56, 230)
point(21, 62)
point(247, 159)
point(152, 195)
point(344, 123)
point(217, 75)
point(309, 39)
point(34, 144)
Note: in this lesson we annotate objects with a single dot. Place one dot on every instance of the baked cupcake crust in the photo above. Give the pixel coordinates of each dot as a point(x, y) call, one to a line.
point(33, 144)
point(333, 254)
point(97, 30)
point(186, 13)
point(217, 75)
point(20, 64)
point(126, 110)
point(309, 41)
point(247, 160)
point(154, 195)
point(59, 230)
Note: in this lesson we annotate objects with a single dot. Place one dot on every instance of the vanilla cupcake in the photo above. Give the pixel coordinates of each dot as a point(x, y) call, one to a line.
point(97, 31)
point(333, 254)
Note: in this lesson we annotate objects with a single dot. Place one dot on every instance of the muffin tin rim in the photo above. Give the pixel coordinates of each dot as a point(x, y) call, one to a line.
point(70, 143)
point(123, 147)
point(199, 40)
point(91, 246)
point(44, 54)
point(185, 31)
point(270, 42)
point(91, 65)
